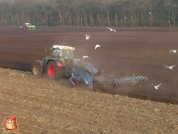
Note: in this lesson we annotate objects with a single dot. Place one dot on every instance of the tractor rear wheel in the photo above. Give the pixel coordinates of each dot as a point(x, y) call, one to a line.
point(54, 72)
point(37, 69)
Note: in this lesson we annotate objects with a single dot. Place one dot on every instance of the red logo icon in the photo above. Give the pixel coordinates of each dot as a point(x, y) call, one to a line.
point(10, 123)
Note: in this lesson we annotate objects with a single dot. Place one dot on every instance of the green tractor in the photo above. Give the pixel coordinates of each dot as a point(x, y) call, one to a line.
point(57, 64)
point(27, 26)
point(60, 63)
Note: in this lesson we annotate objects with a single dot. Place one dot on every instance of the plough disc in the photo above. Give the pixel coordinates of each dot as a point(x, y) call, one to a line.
point(128, 80)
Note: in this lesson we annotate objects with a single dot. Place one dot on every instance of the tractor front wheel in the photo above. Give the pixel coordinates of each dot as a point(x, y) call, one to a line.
point(37, 69)
point(53, 72)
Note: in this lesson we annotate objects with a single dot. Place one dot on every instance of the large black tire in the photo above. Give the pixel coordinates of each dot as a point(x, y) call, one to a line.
point(37, 69)
point(53, 71)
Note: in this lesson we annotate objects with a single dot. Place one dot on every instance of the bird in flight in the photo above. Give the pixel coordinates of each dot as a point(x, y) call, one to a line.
point(174, 51)
point(157, 86)
point(170, 67)
point(85, 57)
point(96, 46)
point(87, 36)
point(112, 30)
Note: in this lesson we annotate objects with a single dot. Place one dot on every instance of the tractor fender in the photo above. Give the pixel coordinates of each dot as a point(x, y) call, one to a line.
point(57, 61)
point(41, 64)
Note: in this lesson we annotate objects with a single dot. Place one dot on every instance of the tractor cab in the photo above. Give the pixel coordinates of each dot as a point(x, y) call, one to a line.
point(63, 52)
point(59, 51)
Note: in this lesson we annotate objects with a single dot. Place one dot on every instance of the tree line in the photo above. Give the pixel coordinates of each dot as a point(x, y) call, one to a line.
point(90, 13)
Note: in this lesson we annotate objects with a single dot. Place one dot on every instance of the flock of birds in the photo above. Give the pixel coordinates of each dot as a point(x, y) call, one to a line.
point(113, 30)
point(169, 67)
point(97, 45)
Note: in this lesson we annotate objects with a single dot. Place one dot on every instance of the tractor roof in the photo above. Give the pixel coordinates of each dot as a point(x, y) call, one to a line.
point(63, 47)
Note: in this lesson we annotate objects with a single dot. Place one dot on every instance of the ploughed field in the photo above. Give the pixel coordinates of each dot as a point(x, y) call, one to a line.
point(122, 54)
point(51, 107)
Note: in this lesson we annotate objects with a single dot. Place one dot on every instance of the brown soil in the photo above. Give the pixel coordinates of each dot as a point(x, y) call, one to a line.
point(139, 51)
point(48, 107)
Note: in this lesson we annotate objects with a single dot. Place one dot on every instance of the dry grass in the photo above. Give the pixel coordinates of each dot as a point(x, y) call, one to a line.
point(51, 107)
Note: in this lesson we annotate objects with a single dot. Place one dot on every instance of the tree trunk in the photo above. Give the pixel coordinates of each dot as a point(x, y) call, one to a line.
point(116, 19)
point(151, 20)
point(151, 12)
point(121, 20)
point(136, 18)
point(47, 21)
point(78, 20)
point(99, 19)
point(3, 20)
point(132, 18)
point(7, 19)
point(17, 16)
point(63, 19)
point(176, 15)
point(108, 18)
point(81, 21)
point(142, 19)
point(23, 16)
point(102, 18)
point(67, 18)
point(174, 20)
point(60, 17)
point(125, 19)
point(169, 22)
point(70, 23)
point(91, 19)
point(85, 19)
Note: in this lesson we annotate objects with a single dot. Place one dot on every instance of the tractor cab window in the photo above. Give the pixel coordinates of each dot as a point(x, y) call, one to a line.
point(57, 52)
point(67, 54)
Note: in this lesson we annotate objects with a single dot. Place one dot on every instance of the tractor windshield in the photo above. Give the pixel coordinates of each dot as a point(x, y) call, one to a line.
point(67, 54)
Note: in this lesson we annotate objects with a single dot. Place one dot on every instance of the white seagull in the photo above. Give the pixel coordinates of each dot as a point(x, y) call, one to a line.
point(174, 51)
point(112, 30)
point(85, 57)
point(87, 36)
point(157, 86)
point(170, 67)
point(96, 46)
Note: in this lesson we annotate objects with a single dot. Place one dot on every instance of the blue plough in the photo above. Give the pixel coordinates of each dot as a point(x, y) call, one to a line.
point(85, 72)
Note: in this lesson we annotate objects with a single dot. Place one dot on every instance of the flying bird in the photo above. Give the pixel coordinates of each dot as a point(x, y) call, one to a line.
point(157, 86)
point(174, 51)
point(170, 67)
point(96, 46)
point(85, 57)
point(112, 30)
point(87, 36)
